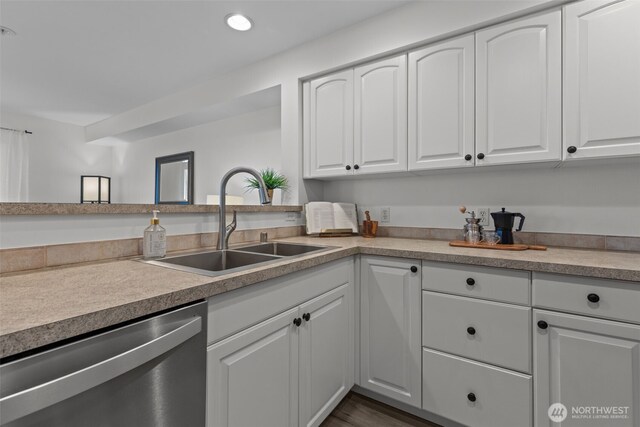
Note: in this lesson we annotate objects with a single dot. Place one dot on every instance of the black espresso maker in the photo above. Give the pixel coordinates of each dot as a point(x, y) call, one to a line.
point(504, 223)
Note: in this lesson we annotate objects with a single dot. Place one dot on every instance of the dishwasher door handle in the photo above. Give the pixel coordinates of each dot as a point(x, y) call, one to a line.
point(47, 394)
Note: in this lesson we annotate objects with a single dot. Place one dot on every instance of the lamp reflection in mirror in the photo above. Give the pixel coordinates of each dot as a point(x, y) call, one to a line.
point(95, 189)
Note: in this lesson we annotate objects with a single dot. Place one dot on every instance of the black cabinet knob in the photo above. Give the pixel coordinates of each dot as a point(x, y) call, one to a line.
point(468, 157)
point(414, 269)
point(348, 167)
point(593, 297)
point(571, 149)
point(471, 397)
point(471, 330)
point(306, 317)
point(480, 156)
point(470, 281)
point(542, 324)
point(297, 321)
point(356, 167)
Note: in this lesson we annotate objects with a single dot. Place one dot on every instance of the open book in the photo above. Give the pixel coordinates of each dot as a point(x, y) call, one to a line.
point(325, 217)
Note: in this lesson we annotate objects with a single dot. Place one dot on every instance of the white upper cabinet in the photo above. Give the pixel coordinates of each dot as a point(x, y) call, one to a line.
point(518, 98)
point(602, 79)
point(329, 125)
point(441, 110)
point(380, 131)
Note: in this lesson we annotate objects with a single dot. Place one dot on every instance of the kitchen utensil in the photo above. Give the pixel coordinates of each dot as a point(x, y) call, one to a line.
point(472, 230)
point(369, 228)
point(504, 224)
point(482, 245)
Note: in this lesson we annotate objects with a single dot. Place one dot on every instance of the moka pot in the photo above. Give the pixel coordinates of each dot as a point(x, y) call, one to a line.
point(503, 222)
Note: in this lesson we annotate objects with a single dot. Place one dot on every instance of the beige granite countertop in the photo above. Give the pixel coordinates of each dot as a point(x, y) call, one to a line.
point(7, 208)
point(44, 306)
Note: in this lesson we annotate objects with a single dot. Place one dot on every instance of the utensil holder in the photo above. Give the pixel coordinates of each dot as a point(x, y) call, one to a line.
point(369, 228)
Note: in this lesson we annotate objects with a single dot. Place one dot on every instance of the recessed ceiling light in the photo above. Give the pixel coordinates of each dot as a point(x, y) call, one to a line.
point(238, 22)
point(6, 31)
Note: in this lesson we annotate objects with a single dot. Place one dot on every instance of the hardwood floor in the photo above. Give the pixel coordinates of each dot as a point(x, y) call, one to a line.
point(356, 410)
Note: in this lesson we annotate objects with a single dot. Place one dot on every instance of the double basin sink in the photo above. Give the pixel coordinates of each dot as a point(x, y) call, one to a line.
point(215, 263)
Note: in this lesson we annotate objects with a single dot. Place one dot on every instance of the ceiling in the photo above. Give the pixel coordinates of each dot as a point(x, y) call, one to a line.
point(83, 61)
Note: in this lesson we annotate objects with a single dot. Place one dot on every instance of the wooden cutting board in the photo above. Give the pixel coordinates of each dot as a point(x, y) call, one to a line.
point(514, 247)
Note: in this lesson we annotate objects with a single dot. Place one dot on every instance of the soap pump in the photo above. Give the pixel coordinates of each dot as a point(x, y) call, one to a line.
point(154, 244)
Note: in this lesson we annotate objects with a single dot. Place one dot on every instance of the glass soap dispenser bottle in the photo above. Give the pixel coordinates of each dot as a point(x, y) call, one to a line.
point(154, 244)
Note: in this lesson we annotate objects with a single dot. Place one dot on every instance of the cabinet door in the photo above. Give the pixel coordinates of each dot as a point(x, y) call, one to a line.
point(583, 362)
point(381, 116)
point(601, 83)
point(330, 125)
point(441, 109)
point(326, 353)
point(252, 377)
point(518, 103)
point(390, 328)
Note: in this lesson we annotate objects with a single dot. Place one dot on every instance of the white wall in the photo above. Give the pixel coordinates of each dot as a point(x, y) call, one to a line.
point(251, 139)
point(17, 231)
point(401, 28)
point(58, 155)
point(587, 198)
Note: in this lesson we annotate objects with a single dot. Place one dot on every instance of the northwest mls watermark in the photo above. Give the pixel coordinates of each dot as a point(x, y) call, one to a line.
point(558, 413)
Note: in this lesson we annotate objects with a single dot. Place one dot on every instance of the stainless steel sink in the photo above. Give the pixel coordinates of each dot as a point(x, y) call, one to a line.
point(281, 249)
point(214, 263)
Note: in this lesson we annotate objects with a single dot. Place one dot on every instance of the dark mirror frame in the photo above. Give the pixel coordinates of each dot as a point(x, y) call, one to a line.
point(172, 159)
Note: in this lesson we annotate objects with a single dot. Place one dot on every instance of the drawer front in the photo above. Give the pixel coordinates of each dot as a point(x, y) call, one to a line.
point(502, 397)
point(487, 331)
point(611, 299)
point(481, 282)
point(234, 311)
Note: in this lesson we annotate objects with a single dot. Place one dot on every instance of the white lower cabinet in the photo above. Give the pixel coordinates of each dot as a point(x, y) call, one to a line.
point(390, 327)
point(291, 369)
point(326, 354)
point(252, 377)
point(473, 393)
point(591, 366)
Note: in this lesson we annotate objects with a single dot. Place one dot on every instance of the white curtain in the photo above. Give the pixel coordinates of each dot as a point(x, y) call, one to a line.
point(14, 166)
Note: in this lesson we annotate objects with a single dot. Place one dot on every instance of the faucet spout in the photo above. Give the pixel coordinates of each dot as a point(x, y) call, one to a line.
point(223, 239)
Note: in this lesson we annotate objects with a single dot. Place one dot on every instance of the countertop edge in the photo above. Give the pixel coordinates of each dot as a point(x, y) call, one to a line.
point(19, 341)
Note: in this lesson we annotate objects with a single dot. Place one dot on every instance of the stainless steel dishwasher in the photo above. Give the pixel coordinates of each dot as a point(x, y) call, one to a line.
point(150, 372)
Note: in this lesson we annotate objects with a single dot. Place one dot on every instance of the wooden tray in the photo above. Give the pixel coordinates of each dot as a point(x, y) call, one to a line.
point(514, 247)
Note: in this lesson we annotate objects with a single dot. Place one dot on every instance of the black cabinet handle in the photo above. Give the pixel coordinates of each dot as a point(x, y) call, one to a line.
point(471, 397)
point(468, 157)
point(571, 149)
point(306, 317)
point(470, 281)
point(542, 324)
point(480, 156)
point(348, 167)
point(297, 321)
point(356, 167)
point(414, 269)
point(593, 297)
point(471, 330)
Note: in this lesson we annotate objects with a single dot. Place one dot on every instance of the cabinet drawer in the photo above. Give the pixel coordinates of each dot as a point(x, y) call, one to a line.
point(234, 311)
point(487, 331)
point(611, 299)
point(481, 282)
point(502, 397)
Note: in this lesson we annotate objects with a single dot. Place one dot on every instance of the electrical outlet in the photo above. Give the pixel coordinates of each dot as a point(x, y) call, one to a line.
point(483, 215)
point(385, 214)
point(292, 216)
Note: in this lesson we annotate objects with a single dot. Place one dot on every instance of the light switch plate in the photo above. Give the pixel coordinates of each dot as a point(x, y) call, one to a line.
point(385, 214)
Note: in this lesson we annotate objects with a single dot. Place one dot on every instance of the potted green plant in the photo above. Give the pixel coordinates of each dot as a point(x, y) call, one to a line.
point(272, 179)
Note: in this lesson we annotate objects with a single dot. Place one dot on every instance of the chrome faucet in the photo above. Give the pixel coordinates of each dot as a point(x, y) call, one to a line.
point(225, 231)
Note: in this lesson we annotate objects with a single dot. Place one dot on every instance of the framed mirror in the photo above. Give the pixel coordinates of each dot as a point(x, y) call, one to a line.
point(174, 179)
